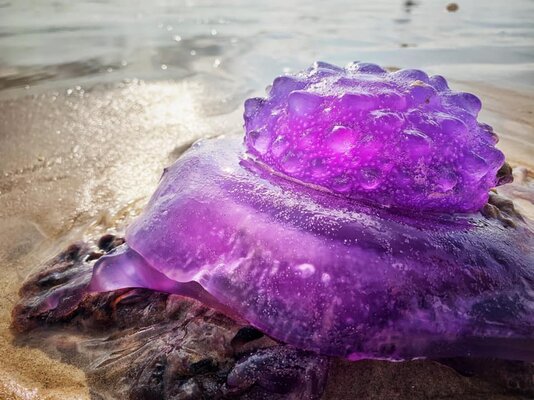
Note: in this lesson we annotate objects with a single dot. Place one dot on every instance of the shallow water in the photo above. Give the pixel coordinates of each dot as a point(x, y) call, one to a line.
point(96, 98)
point(95, 41)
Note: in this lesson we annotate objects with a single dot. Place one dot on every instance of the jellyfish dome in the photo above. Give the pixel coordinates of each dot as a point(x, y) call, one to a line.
point(347, 222)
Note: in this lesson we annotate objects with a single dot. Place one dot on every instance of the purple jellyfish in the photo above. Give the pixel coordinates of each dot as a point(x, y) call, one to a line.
point(354, 221)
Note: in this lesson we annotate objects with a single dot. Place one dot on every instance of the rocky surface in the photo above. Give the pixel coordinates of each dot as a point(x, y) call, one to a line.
point(138, 344)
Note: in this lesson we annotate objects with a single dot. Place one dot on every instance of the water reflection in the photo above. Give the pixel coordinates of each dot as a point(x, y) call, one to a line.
point(42, 42)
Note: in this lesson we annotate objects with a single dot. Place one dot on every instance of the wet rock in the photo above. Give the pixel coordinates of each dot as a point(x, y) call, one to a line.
point(505, 174)
point(142, 345)
point(55, 292)
point(245, 335)
point(108, 242)
point(280, 371)
point(452, 7)
point(501, 208)
point(427, 379)
point(521, 191)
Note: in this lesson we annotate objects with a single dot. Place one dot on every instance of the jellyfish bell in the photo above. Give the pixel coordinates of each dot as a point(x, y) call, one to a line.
point(347, 222)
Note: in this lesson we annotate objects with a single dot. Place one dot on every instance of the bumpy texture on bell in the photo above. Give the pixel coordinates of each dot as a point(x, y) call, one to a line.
point(400, 139)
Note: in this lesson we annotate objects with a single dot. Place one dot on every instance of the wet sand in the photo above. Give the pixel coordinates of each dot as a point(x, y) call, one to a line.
point(76, 164)
point(73, 166)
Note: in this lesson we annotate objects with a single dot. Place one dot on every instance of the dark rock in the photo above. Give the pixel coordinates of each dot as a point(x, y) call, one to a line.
point(245, 335)
point(140, 344)
point(203, 366)
point(108, 242)
point(508, 376)
point(501, 208)
point(504, 174)
point(143, 345)
point(280, 371)
point(452, 7)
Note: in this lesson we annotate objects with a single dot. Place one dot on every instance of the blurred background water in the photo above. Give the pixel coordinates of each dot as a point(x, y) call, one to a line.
point(250, 42)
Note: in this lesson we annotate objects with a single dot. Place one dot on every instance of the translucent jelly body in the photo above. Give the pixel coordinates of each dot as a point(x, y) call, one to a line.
point(399, 139)
point(325, 273)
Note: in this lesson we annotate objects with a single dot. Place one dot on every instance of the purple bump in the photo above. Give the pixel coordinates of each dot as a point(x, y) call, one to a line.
point(342, 139)
point(438, 82)
point(411, 75)
point(303, 103)
point(404, 120)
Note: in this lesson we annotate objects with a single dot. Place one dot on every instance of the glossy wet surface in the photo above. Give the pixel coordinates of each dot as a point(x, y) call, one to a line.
point(96, 99)
point(106, 40)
